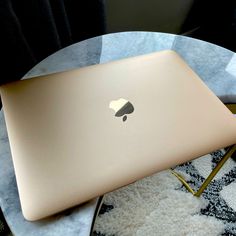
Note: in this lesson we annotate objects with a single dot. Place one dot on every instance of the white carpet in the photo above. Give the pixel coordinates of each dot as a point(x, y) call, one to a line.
point(159, 205)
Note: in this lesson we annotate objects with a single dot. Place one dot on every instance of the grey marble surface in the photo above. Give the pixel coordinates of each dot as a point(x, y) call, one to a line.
point(215, 65)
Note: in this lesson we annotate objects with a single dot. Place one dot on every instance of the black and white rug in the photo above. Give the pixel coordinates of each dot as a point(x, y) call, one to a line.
point(4, 229)
point(160, 205)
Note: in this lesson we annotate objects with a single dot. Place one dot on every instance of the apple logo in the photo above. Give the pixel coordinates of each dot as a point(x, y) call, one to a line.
point(122, 107)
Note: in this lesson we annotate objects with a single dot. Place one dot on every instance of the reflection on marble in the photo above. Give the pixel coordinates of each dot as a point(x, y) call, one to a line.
point(121, 45)
point(215, 65)
point(209, 61)
point(76, 221)
point(231, 67)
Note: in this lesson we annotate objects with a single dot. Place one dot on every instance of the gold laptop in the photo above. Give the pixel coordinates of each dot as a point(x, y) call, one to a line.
point(78, 134)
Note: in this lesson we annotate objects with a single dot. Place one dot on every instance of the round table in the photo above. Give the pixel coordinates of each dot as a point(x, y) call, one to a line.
point(214, 64)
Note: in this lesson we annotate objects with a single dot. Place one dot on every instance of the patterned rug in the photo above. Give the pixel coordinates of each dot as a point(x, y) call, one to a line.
point(4, 229)
point(160, 205)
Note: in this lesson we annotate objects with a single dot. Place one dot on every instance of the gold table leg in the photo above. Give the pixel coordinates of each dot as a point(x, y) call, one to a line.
point(227, 155)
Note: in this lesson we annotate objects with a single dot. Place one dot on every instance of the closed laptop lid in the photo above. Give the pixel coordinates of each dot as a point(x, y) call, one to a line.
point(78, 134)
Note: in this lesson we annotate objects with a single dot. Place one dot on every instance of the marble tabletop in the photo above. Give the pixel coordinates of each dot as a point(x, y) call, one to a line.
point(214, 64)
